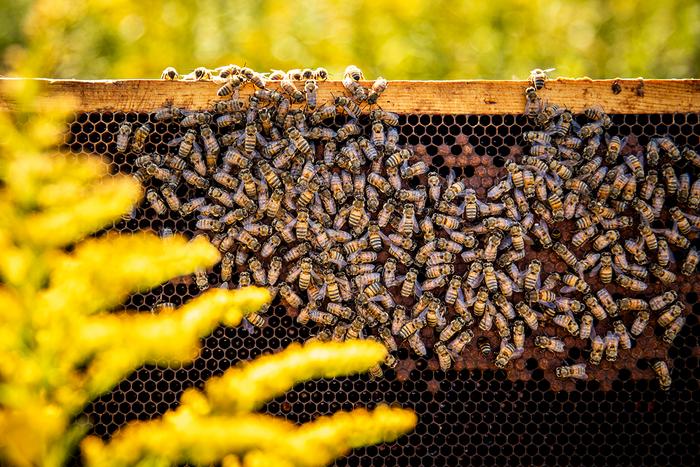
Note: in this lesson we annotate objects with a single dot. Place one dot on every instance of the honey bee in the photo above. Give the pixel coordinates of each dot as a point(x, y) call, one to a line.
point(481, 301)
point(230, 86)
point(170, 74)
point(139, 140)
point(412, 327)
point(417, 345)
point(172, 161)
point(462, 340)
point(631, 283)
point(664, 275)
point(415, 170)
point(194, 179)
point(622, 334)
point(691, 156)
point(491, 248)
point(615, 143)
point(505, 355)
point(274, 270)
point(538, 77)
point(612, 342)
point(673, 329)
point(574, 282)
point(533, 104)
point(647, 186)
point(694, 197)
point(577, 371)
point(594, 306)
point(289, 296)
point(667, 317)
point(531, 279)
point(565, 254)
point(211, 147)
point(444, 356)
point(311, 90)
point(567, 322)
point(474, 276)
point(196, 118)
point(597, 349)
point(690, 263)
point(605, 268)
point(541, 232)
point(192, 205)
point(681, 220)
point(358, 93)
point(663, 375)
point(201, 279)
point(528, 315)
point(155, 202)
point(170, 197)
point(586, 326)
point(378, 88)
point(484, 346)
point(249, 241)
point(290, 88)
point(123, 137)
point(583, 236)
point(640, 323)
point(660, 302)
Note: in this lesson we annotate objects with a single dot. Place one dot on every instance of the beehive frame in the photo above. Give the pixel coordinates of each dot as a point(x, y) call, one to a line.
point(473, 413)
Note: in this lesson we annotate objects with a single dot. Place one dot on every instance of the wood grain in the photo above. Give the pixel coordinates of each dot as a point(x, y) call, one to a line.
point(625, 96)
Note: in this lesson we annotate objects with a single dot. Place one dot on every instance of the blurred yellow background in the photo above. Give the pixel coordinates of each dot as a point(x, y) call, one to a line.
point(407, 39)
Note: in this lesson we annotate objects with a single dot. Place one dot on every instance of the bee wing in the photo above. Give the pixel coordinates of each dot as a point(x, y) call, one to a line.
point(450, 178)
point(224, 285)
point(417, 289)
point(462, 207)
point(483, 207)
point(594, 270)
point(567, 289)
point(515, 286)
point(505, 243)
point(322, 291)
point(549, 70)
point(175, 141)
point(576, 128)
point(248, 327)
point(671, 257)
point(385, 238)
point(554, 178)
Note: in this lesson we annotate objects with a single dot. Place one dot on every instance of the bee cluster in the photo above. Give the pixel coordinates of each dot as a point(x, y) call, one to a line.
point(320, 203)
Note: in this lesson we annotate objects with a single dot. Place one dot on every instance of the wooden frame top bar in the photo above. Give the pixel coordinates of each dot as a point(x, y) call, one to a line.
point(619, 96)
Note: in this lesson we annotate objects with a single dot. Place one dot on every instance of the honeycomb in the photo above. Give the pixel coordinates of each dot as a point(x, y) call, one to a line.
point(473, 412)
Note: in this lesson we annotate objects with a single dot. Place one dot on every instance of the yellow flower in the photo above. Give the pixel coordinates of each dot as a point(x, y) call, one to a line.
point(250, 386)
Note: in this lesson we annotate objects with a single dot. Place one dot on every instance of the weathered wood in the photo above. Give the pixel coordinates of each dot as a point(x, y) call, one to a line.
point(626, 96)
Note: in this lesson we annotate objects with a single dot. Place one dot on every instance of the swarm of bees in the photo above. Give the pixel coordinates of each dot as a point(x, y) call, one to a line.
point(320, 203)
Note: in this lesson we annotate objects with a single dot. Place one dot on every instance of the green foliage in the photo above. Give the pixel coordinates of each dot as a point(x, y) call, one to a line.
point(409, 39)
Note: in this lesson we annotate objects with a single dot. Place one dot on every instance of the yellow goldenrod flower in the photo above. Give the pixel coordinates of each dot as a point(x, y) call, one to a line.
point(101, 272)
point(324, 439)
point(118, 343)
point(249, 386)
point(61, 225)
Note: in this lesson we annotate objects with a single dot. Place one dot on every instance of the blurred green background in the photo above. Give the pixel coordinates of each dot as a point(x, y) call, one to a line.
point(407, 39)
